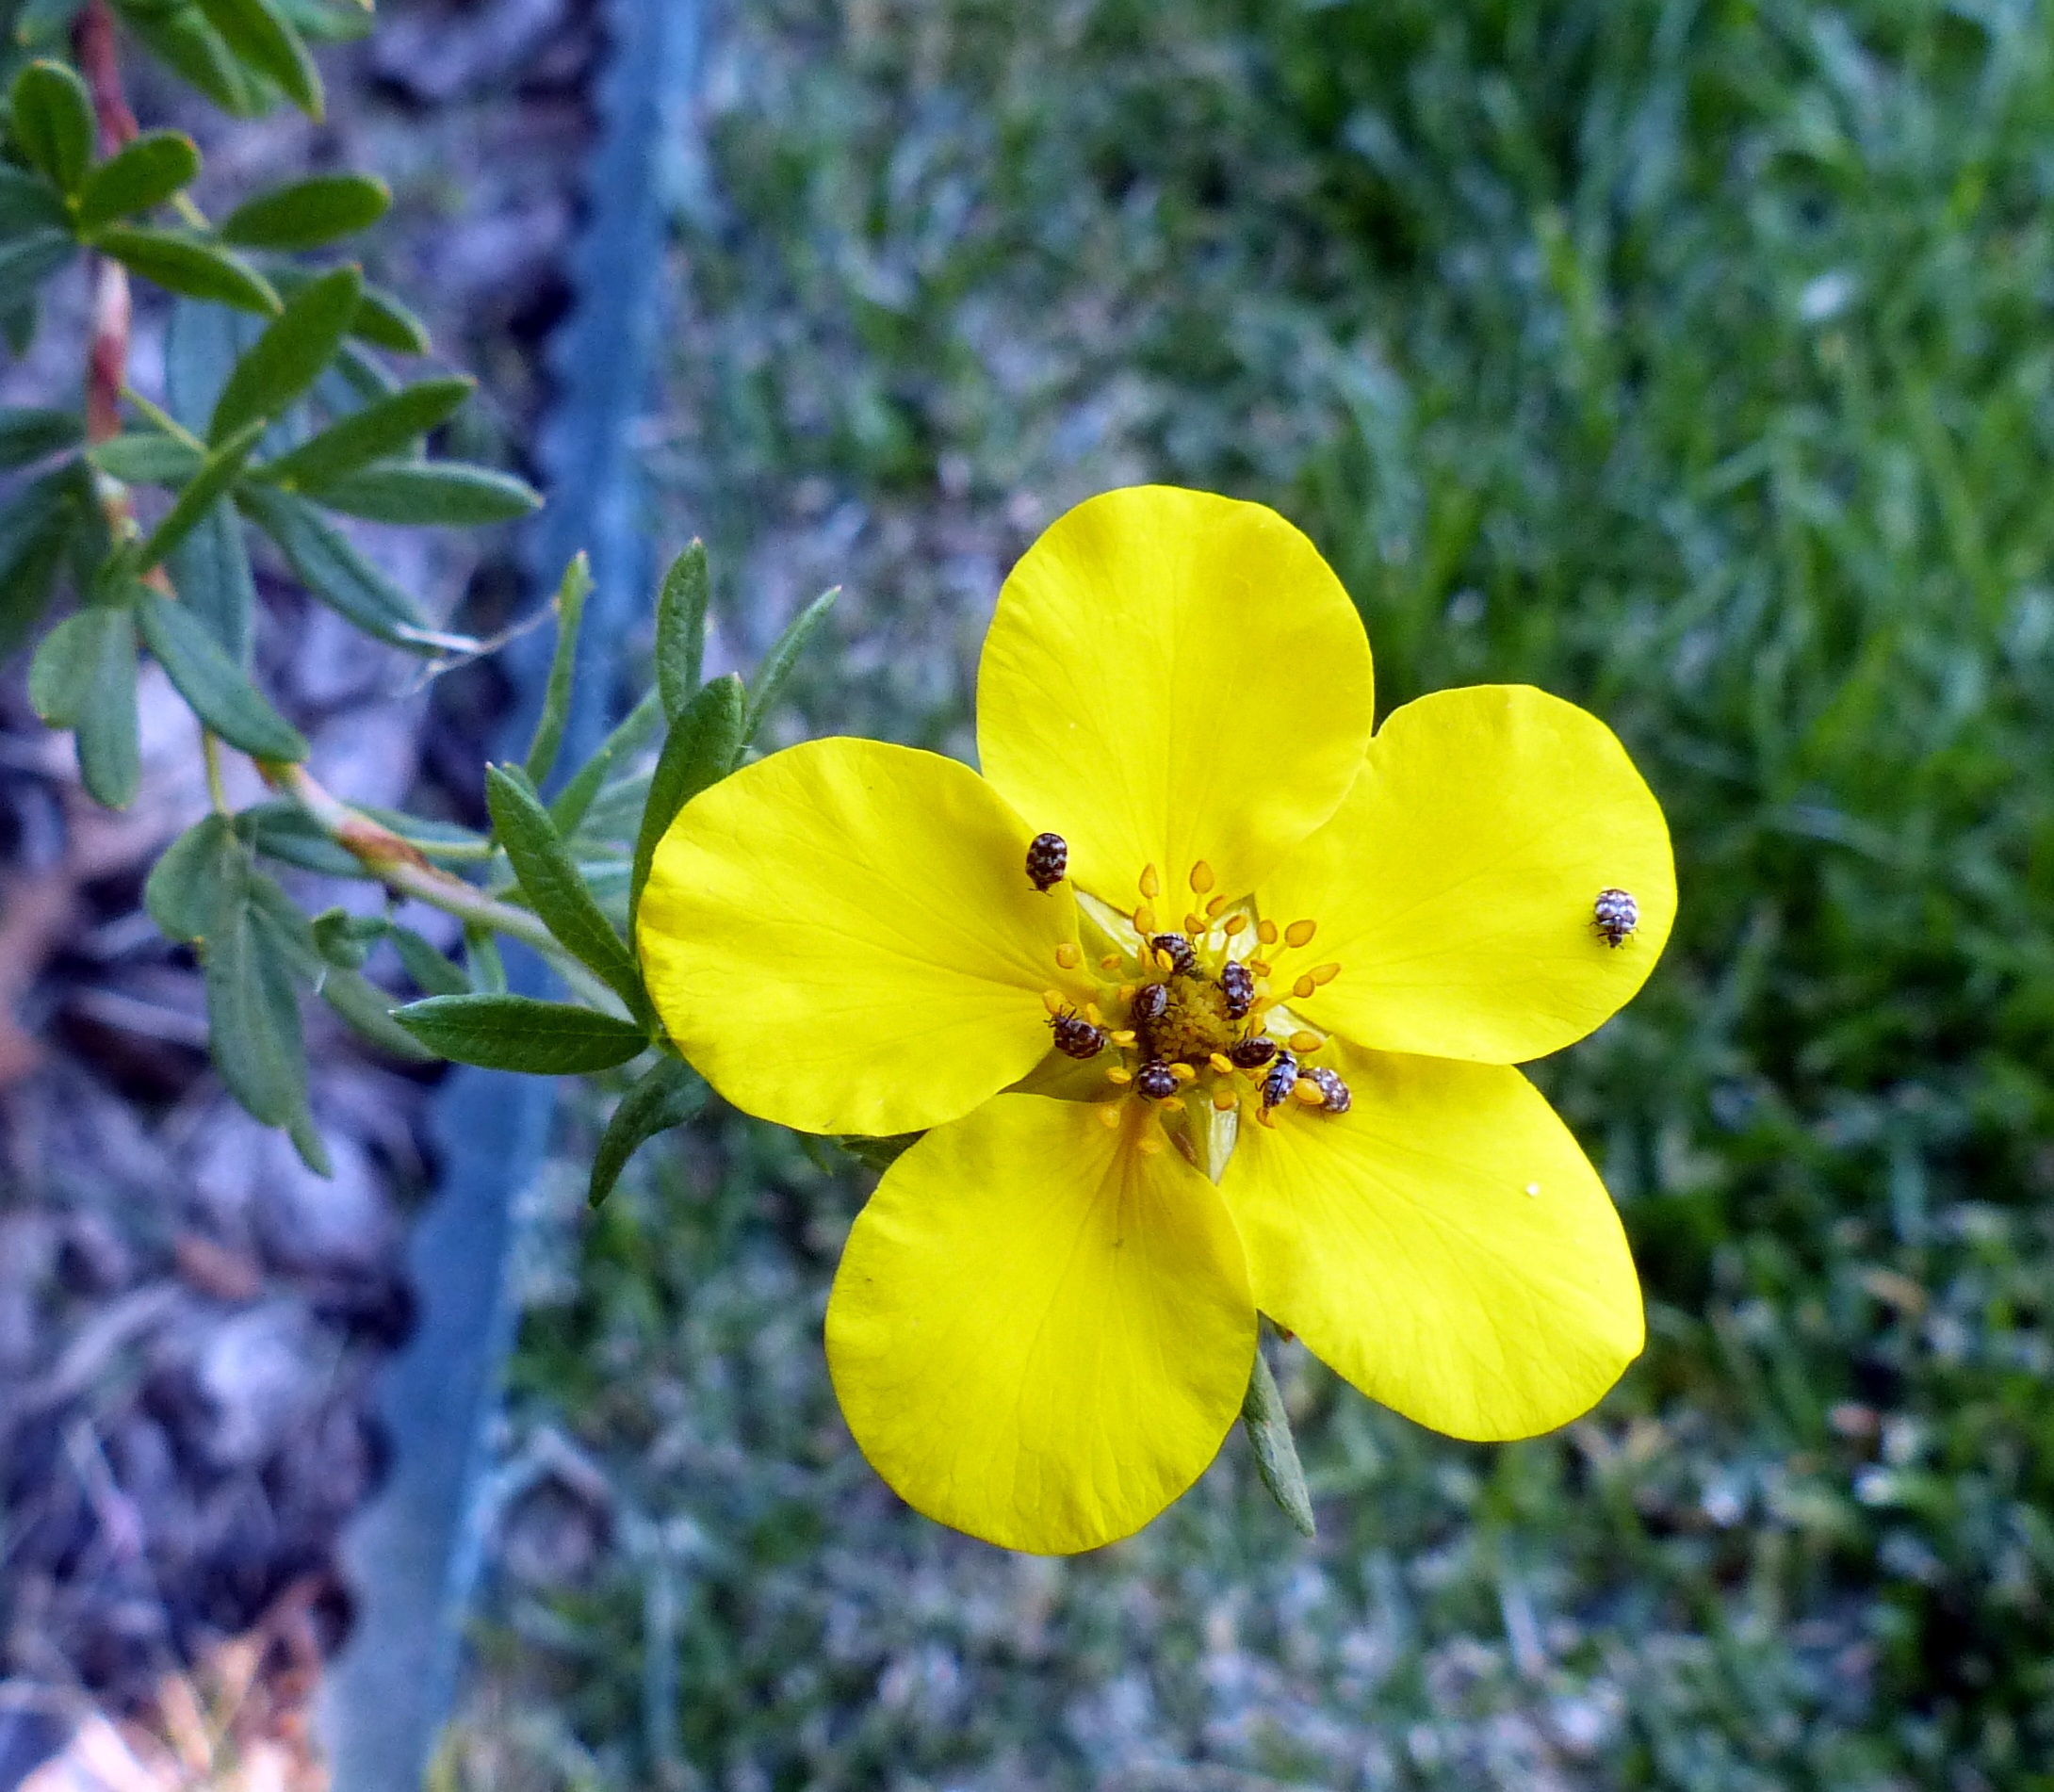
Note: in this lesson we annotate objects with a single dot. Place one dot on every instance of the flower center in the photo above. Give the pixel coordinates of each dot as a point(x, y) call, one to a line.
point(1191, 1022)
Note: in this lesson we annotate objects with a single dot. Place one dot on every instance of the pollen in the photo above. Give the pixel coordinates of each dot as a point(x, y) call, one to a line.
point(1266, 931)
point(1068, 956)
point(1144, 920)
point(1300, 933)
point(1053, 1000)
point(1201, 878)
point(1225, 1098)
point(1233, 924)
point(1308, 1092)
point(1303, 987)
point(1304, 1042)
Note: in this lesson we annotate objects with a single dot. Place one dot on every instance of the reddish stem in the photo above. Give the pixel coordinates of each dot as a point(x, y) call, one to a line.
point(92, 40)
point(107, 359)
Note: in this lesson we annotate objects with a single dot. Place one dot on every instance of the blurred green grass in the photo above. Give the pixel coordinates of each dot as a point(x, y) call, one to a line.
point(1691, 361)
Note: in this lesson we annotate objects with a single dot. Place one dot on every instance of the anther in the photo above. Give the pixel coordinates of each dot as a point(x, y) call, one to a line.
point(1260, 967)
point(1184, 1073)
point(1201, 878)
point(1215, 904)
point(1300, 933)
point(1110, 962)
point(1109, 1114)
point(1054, 1000)
point(1335, 1097)
point(1048, 858)
point(1233, 924)
point(1068, 956)
point(1171, 1104)
point(1119, 1074)
point(1151, 886)
point(1324, 974)
point(1303, 1042)
point(1308, 1092)
point(1193, 923)
point(1303, 987)
point(1155, 1081)
point(1225, 1098)
point(1148, 1144)
point(1266, 931)
point(1251, 1054)
point(1124, 1036)
point(1094, 1014)
point(1222, 1063)
point(1144, 918)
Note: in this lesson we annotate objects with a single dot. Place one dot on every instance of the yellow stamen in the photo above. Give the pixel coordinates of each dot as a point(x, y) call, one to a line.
point(1125, 1037)
point(1216, 904)
point(1144, 920)
point(1225, 1098)
point(1110, 962)
point(1300, 933)
point(1306, 1090)
point(1127, 991)
point(1184, 1073)
point(1171, 1104)
point(1151, 886)
point(1193, 923)
point(1258, 967)
point(1266, 931)
point(1148, 1144)
point(1094, 1014)
point(1068, 956)
point(1119, 1074)
point(1325, 974)
point(1110, 1113)
point(1303, 987)
point(1266, 1117)
point(1233, 924)
point(1165, 961)
point(1221, 1063)
point(1201, 878)
point(1303, 1042)
point(1053, 1000)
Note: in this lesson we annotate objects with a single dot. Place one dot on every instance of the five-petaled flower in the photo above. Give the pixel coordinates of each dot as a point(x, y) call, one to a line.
point(1251, 1052)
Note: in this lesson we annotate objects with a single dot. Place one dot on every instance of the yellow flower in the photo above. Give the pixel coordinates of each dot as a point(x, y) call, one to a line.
point(1252, 1052)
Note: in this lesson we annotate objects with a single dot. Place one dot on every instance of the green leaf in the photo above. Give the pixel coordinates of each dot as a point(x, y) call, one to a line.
point(28, 436)
point(382, 320)
point(330, 20)
point(699, 751)
point(369, 1010)
point(60, 677)
point(36, 526)
point(386, 426)
point(878, 1151)
point(252, 1011)
point(190, 266)
point(344, 941)
point(264, 40)
point(145, 173)
point(575, 800)
point(554, 890)
point(29, 203)
point(447, 493)
point(219, 692)
point(517, 1032)
point(143, 457)
point(183, 892)
point(180, 37)
point(105, 724)
point(308, 214)
point(52, 122)
point(481, 952)
point(210, 572)
point(680, 629)
point(288, 357)
point(429, 969)
point(783, 657)
point(27, 261)
point(667, 1095)
point(333, 571)
point(40, 21)
point(556, 696)
point(206, 487)
point(283, 831)
point(1268, 1425)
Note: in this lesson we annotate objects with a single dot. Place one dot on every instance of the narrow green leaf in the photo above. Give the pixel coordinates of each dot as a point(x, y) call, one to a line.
point(330, 20)
point(283, 831)
point(181, 38)
point(183, 887)
point(782, 658)
point(517, 1032)
point(264, 40)
point(428, 831)
point(1268, 1425)
point(142, 457)
point(252, 1011)
point(481, 952)
point(344, 941)
point(575, 800)
point(554, 890)
point(208, 486)
point(220, 694)
point(210, 572)
point(450, 493)
point(52, 122)
point(391, 425)
point(369, 1010)
point(699, 751)
point(665, 1095)
point(28, 436)
point(308, 214)
point(189, 266)
point(108, 729)
point(333, 571)
point(288, 357)
point(36, 526)
point(61, 675)
point(27, 261)
point(29, 203)
point(385, 322)
point(571, 594)
point(680, 629)
point(431, 972)
point(143, 174)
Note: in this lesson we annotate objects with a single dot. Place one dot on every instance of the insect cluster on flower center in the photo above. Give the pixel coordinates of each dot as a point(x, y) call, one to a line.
point(1193, 1017)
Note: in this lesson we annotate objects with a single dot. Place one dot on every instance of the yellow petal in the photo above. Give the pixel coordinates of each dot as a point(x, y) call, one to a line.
point(1172, 678)
point(1455, 887)
point(1038, 1334)
point(1446, 1245)
point(842, 939)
